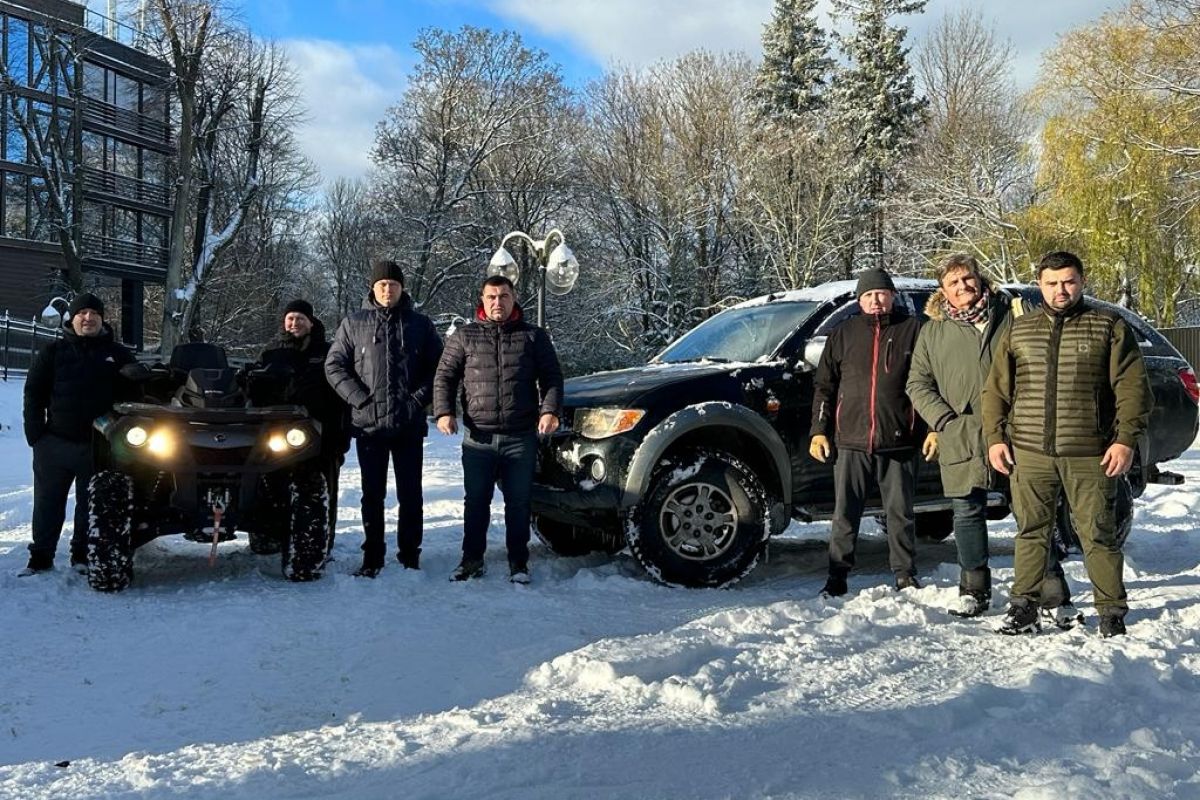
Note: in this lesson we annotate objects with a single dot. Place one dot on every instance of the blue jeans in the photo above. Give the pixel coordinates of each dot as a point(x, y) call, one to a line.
point(511, 459)
point(970, 529)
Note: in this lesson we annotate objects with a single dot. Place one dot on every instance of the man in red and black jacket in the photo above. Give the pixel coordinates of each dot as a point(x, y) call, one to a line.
point(859, 402)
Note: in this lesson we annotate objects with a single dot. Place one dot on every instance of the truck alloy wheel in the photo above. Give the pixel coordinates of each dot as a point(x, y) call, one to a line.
point(704, 521)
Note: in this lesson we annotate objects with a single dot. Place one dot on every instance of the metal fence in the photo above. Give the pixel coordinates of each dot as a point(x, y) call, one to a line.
point(20, 339)
point(1186, 341)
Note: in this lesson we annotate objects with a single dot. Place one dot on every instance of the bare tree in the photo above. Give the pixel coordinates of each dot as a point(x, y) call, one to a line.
point(445, 151)
point(973, 171)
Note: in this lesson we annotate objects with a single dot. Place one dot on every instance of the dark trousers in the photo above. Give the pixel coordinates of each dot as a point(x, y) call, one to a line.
point(332, 470)
point(854, 473)
point(406, 454)
point(510, 458)
point(58, 463)
point(971, 539)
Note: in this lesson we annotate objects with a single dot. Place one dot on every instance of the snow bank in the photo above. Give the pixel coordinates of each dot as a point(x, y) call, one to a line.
point(593, 682)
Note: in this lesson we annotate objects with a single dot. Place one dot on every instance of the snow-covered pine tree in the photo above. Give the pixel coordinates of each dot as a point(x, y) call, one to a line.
point(875, 103)
point(792, 78)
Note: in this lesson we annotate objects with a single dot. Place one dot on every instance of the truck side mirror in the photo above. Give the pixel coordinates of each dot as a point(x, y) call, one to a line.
point(812, 352)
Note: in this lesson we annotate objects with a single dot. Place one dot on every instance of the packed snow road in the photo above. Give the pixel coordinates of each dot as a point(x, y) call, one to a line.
point(594, 681)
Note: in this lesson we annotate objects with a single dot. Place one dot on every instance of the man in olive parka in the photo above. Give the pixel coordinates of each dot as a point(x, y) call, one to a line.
point(967, 318)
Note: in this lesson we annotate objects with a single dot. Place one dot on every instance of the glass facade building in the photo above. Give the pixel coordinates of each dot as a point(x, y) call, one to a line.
point(85, 152)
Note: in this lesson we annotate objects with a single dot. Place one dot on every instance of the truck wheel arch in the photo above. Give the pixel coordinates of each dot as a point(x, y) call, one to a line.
point(717, 424)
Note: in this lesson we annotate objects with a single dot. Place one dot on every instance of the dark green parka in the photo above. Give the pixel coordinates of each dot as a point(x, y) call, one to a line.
point(949, 368)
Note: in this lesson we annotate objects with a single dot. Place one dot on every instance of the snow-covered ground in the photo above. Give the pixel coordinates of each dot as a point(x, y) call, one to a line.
point(593, 682)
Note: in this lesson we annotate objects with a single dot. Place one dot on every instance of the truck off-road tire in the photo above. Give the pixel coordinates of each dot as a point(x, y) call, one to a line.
point(110, 531)
point(270, 518)
point(935, 526)
point(565, 539)
point(307, 540)
point(704, 521)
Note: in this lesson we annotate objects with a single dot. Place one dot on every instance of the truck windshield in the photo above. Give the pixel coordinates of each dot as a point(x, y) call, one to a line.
point(745, 334)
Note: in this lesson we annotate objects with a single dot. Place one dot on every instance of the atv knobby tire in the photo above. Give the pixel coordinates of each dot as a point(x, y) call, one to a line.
point(566, 539)
point(704, 521)
point(110, 531)
point(271, 517)
point(306, 543)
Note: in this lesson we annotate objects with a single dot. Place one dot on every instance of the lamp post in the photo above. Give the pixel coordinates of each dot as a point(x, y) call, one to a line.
point(557, 269)
point(52, 316)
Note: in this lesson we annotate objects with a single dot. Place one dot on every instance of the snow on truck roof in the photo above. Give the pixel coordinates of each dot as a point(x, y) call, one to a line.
point(832, 290)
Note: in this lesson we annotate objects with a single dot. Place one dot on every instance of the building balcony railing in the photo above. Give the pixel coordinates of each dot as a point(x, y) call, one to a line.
point(113, 29)
point(121, 250)
point(110, 183)
point(98, 112)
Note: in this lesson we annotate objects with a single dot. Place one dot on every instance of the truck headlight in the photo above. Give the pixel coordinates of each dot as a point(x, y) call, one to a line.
point(600, 423)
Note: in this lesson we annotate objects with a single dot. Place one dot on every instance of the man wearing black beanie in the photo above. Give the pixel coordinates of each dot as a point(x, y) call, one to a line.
point(859, 402)
point(381, 364)
point(72, 381)
point(298, 357)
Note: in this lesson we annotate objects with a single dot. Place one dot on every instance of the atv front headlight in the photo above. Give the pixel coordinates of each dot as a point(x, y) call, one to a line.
point(161, 443)
point(296, 437)
point(277, 443)
point(600, 423)
point(136, 436)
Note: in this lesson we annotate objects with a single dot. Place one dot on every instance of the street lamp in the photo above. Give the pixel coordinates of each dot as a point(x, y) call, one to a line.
point(557, 269)
point(51, 315)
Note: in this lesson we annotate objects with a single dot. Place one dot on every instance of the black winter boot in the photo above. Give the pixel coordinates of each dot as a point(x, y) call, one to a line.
point(1020, 618)
point(835, 586)
point(371, 567)
point(409, 559)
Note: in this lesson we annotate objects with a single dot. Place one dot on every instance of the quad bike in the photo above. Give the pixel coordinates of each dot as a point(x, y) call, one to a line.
point(207, 453)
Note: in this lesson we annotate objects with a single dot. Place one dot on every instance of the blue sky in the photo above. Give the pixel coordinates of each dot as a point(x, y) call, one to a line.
point(352, 56)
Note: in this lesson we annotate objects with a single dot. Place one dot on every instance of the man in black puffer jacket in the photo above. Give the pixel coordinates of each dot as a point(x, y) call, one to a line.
point(298, 357)
point(859, 400)
point(381, 363)
point(72, 381)
point(511, 391)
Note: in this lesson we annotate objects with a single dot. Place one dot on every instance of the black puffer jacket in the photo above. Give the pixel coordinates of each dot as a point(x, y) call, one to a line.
point(381, 363)
point(72, 381)
point(508, 373)
point(301, 364)
point(859, 392)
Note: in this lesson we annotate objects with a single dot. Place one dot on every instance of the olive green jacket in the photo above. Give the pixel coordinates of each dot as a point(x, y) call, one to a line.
point(949, 367)
point(1068, 384)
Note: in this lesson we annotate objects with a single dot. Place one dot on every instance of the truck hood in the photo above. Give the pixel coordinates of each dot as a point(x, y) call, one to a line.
point(623, 387)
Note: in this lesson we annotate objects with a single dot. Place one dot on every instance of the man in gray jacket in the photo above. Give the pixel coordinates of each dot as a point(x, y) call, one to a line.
point(511, 391)
point(381, 363)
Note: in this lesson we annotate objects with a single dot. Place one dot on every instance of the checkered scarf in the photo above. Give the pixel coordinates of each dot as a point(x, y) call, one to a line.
point(973, 314)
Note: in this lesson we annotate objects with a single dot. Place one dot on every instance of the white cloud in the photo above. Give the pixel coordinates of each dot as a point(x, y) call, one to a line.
point(346, 89)
point(639, 32)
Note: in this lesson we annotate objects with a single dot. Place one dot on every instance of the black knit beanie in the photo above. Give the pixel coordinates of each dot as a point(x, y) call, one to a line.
point(383, 270)
point(874, 279)
point(300, 306)
point(85, 300)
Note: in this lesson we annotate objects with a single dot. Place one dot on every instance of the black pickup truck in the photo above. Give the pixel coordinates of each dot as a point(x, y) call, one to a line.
point(694, 460)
